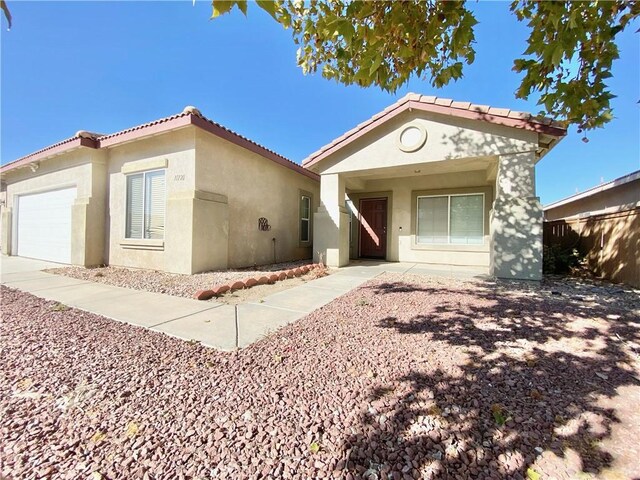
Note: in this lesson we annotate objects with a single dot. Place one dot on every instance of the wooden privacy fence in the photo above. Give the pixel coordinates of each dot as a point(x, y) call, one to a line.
point(610, 243)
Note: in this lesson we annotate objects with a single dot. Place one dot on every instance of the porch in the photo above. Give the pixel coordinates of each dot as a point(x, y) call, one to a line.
point(438, 182)
point(475, 213)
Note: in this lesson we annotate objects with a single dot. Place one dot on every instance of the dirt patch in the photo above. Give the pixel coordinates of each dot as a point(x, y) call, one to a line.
point(404, 377)
point(167, 283)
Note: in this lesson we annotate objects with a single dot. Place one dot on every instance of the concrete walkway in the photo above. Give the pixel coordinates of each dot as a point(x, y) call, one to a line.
point(216, 325)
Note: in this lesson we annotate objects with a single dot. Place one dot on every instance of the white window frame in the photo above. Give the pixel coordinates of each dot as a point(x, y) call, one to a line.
point(144, 200)
point(448, 195)
point(308, 219)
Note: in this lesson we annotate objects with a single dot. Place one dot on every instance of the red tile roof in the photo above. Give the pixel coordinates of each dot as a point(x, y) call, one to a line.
point(445, 106)
point(189, 116)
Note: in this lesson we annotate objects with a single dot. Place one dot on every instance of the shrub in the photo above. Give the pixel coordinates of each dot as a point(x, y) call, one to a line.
point(556, 259)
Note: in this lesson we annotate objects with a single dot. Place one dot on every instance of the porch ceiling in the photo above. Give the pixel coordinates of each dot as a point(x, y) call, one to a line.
point(354, 180)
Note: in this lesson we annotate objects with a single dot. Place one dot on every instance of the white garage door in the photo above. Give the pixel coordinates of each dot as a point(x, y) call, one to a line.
point(44, 225)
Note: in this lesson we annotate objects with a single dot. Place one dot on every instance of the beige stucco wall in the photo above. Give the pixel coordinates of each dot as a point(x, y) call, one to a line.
point(448, 138)
point(459, 156)
point(402, 196)
point(618, 198)
point(173, 151)
point(215, 193)
point(83, 168)
point(254, 187)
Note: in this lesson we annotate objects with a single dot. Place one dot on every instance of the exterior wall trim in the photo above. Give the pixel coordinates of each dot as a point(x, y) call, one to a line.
point(142, 244)
point(144, 166)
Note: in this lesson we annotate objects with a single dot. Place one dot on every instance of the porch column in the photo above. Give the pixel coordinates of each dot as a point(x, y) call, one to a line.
point(516, 220)
point(331, 223)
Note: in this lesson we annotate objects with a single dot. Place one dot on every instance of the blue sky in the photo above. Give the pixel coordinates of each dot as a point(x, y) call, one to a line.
point(106, 66)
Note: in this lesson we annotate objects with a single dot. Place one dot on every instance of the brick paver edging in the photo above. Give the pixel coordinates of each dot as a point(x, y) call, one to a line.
point(268, 277)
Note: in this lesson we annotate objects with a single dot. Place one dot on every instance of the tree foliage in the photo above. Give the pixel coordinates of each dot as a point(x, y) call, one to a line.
point(570, 52)
point(569, 55)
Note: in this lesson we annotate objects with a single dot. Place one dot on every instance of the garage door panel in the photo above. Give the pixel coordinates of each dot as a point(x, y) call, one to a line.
point(44, 225)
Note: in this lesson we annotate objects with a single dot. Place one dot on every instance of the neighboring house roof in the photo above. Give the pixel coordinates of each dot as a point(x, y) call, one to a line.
point(595, 190)
point(189, 116)
point(445, 106)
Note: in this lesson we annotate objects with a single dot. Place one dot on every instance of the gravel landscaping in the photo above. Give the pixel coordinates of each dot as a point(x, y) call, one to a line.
point(406, 377)
point(168, 283)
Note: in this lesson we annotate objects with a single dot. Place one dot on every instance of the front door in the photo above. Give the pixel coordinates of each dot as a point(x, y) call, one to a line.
point(373, 227)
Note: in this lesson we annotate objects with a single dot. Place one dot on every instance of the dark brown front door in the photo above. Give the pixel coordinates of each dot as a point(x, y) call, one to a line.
point(373, 227)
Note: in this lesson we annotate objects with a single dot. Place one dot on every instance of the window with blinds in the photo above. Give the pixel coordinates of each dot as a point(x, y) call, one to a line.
point(145, 205)
point(433, 220)
point(451, 219)
point(305, 218)
point(135, 205)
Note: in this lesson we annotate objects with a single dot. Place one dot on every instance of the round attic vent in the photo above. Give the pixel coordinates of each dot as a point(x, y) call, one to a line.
point(411, 138)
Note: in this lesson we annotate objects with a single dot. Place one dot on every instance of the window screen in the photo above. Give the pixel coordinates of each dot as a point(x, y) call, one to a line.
point(305, 218)
point(154, 205)
point(466, 227)
point(432, 219)
point(135, 206)
point(451, 219)
point(145, 205)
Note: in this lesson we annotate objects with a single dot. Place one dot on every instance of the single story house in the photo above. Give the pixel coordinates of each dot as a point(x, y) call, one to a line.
point(427, 180)
point(181, 194)
point(603, 224)
point(619, 195)
point(436, 181)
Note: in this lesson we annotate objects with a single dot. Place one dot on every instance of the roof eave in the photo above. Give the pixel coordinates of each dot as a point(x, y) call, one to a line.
point(145, 131)
point(247, 144)
point(156, 128)
point(594, 190)
point(408, 103)
point(57, 149)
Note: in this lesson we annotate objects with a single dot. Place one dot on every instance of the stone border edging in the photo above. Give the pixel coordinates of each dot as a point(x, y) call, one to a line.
point(268, 278)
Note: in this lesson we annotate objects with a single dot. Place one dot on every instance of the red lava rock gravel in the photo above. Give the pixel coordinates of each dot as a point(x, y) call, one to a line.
point(169, 283)
point(403, 378)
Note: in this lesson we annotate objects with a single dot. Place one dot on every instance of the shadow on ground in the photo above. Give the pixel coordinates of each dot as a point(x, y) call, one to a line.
point(512, 381)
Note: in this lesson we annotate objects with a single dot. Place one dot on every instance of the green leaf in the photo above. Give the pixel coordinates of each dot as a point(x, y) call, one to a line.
point(556, 57)
point(345, 28)
point(499, 418)
point(242, 5)
point(375, 65)
point(220, 7)
point(314, 447)
point(271, 7)
point(549, 101)
point(607, 116)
